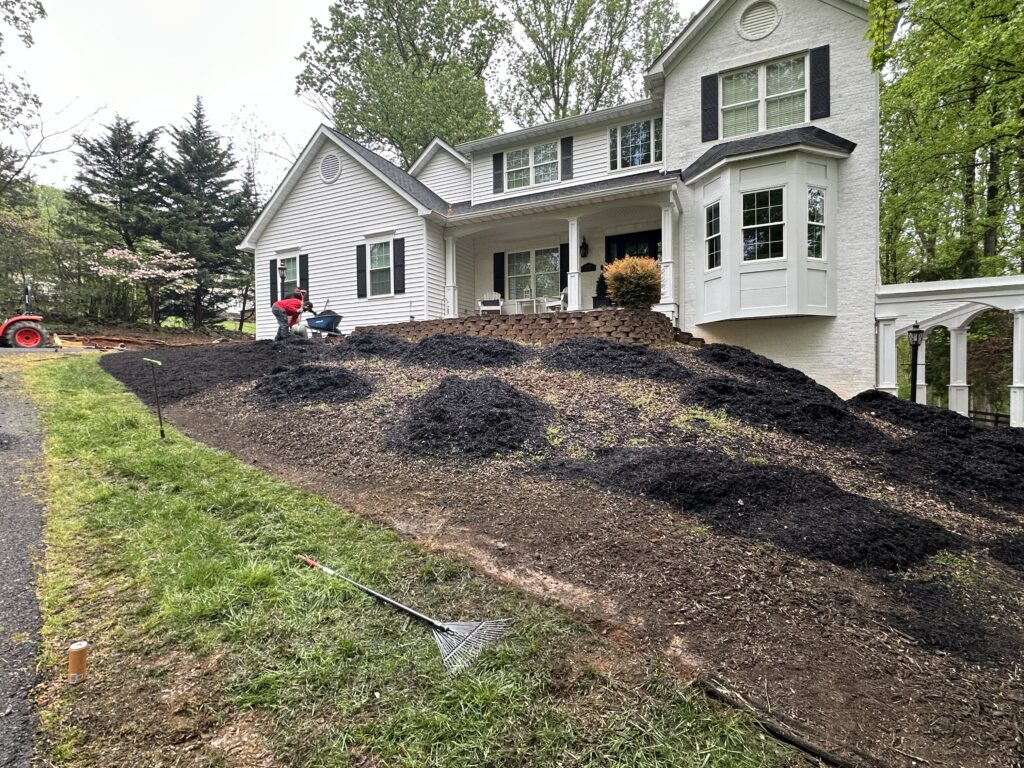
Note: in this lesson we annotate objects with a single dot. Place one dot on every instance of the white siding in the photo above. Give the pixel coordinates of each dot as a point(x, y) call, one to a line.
point(465, 276)
point(446, 176)
point(434, 304)
point(590, 162)
point(839, 352)
point(328, 221)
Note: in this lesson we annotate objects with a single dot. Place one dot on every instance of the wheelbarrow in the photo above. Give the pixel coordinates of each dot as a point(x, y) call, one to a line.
point(325, 322)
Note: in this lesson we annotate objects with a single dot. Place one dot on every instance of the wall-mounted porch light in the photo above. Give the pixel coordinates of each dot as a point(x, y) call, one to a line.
point(584, 248)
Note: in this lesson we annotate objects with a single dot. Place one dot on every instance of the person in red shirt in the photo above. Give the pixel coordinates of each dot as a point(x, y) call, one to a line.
point(287, 312)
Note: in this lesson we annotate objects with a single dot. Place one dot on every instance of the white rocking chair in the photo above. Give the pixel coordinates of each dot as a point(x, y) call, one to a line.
point(490, 303)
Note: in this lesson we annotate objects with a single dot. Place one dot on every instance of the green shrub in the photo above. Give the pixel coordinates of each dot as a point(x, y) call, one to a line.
point(633, 282)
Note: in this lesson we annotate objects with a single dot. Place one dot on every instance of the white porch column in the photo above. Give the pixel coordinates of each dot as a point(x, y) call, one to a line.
point(669, 303)
point(922, 382)
point(451, 288)
point(959, 391)
point(1017, 383)
point(886, 339)
point(575, 297)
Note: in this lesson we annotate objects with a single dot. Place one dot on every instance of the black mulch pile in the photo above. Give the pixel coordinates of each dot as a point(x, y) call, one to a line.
point(189, 370)
point(308, 383)
point(775, 396)
point(947, 452)
point(462, 351)
point(474, 417)
point(795, 509)
point(1009, 551)
point(612, 357)
point(373, 344)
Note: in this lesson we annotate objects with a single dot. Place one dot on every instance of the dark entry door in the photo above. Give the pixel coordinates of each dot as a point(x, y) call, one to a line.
point(647, 244)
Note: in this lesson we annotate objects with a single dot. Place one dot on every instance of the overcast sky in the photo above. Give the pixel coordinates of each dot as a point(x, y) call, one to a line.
point(148, 61)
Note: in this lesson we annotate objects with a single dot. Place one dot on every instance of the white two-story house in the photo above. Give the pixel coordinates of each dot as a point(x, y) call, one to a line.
point(751, 173)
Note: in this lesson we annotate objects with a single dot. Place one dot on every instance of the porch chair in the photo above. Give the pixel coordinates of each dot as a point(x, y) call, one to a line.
point(559, 304)
point(490, 303)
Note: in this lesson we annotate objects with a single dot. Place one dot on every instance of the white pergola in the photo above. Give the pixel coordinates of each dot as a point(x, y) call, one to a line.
point(953, 304)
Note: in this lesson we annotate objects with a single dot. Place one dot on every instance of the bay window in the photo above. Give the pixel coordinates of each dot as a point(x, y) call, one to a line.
point(533, 274)
point(635, 144)
point(763, 225)
point(713, 235)
point(769, 95)
point(815, 223)
point(531, 165)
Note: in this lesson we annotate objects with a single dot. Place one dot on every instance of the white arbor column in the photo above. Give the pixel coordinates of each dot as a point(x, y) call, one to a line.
point(959, 391)
point(886, 339)
point(451, 288)
point(1017, 383)
point(669, 300)
point(575, 298)
point(922, 382)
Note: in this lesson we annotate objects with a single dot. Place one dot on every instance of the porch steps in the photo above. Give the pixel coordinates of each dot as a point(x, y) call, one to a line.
point(684, 337)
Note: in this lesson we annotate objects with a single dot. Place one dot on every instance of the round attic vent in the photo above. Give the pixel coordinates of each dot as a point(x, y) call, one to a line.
point(758, 21)
point(330, 168)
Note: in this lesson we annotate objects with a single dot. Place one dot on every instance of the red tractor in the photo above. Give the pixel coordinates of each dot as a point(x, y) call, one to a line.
point(24, 331)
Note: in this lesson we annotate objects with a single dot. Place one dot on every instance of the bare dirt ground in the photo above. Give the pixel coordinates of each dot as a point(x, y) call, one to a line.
point(854, 568)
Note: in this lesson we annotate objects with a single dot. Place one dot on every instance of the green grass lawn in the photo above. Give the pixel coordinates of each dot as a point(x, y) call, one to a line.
point(193, 552)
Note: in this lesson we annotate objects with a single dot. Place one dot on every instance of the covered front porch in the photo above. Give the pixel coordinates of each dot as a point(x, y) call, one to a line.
point(548, 257)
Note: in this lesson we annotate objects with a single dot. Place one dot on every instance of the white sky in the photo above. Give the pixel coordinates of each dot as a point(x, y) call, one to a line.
point(149, 60)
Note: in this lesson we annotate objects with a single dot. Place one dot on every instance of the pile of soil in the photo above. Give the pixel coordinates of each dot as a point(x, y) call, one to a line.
point(595, 355)
point(462, 351)
point(305, 384)
point(806, 411)
point(372, 344)
point(474, 417)
point(794, 509)
point(191, 370)
point(751, 365)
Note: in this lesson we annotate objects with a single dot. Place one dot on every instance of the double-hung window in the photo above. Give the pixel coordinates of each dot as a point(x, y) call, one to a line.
point(380, 269)
point(533, 274)
point(815, 223)
point(713, 235)
point(291, 276)
point(635, 144)
point(531, 165)
point(764, 225)
point(769, 95)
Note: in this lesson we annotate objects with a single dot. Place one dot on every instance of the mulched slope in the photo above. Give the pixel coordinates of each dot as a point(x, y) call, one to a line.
point(6, 442)
point(801, 511)
point(191, 370)
point(474, 417)
point(604, 356)
point(309, 383)
point(462, 351)
point(373, 344)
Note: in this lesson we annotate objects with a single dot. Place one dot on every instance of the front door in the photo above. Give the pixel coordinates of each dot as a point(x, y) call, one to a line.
point(644, 244)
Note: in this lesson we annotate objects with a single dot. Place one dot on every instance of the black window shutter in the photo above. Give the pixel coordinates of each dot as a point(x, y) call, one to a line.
point(498, 169)
point(274, 277)
point(566, 158)
point(820, 83)
point(304, 273)
point(563, 266)
point(398, 263)
point(361, 271)
point(499, 273)
point(709, 108)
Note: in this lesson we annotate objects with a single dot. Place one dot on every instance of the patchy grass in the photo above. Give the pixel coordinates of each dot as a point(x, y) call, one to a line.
point(177, 562)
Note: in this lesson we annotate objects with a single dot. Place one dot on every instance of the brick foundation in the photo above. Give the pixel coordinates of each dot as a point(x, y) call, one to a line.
point(627, 325)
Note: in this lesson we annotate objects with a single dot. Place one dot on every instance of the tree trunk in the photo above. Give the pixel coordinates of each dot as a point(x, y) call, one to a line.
point(245, 302)
point(968, 262)
point(993, 203)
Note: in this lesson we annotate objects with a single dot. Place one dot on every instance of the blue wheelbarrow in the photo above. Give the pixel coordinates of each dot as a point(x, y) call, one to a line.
point(325, 322)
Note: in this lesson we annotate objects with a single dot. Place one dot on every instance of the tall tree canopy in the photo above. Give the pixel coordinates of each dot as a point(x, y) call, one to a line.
point(575, 56)
point(393, 74)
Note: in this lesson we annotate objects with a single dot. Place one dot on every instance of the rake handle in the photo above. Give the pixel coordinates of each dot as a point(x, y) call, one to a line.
point(432, 623)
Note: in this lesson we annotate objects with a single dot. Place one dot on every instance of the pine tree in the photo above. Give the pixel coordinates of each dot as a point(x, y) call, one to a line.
point(200, 219)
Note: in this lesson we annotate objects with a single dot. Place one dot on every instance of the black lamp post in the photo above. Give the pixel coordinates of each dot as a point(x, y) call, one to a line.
point(282, 271)
point(915, 336)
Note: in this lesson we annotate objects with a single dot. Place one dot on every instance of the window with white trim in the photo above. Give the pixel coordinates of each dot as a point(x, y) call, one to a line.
point(815, 223)
point(713, 235)
point(635, 144)
point(769, 95)
point(531, 165)
point(291, 275)
point(379, 268)
point(534, 274)
point(764, 225)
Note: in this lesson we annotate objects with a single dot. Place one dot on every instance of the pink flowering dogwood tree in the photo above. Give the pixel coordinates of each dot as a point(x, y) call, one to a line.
point(156, 270)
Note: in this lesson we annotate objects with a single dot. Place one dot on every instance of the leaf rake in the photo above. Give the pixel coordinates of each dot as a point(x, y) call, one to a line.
point(459, 642)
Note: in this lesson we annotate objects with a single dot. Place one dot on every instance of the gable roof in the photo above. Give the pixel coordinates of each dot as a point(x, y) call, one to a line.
point(705, 18)
point(413, 191)
point(804, 136)
point(437, 145)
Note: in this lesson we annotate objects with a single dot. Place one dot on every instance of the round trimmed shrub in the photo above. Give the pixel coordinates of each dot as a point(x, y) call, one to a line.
point(633, 282)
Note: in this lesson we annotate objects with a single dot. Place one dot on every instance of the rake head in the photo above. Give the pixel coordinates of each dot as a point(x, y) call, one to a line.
point(462, 641)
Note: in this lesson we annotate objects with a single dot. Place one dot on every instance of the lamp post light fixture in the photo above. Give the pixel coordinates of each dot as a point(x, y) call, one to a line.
point(915, 336)
point(282, 270)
